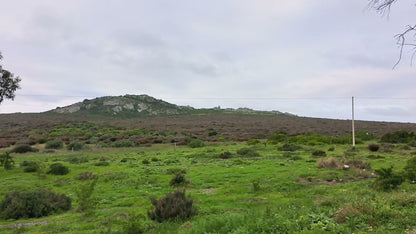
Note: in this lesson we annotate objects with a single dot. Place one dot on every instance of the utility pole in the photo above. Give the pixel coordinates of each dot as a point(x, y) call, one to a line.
point(353, 128)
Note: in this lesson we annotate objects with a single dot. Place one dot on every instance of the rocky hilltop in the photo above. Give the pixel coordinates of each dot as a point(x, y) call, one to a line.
point(127, 106)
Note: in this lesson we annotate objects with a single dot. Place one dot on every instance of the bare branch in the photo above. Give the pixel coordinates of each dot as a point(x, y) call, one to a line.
point(381, 6)
point(401, 41)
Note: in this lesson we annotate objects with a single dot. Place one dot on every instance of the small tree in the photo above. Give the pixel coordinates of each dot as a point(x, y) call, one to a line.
point(86, 201)
point(6, 161)
point(8, 83)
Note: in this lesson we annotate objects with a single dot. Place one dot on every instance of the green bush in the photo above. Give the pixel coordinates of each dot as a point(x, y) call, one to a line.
point(277, 138)
point(289, 147)
point(253, 142)
point(23, 149)
point(318, 153)
point(102, 164)
point(410, 170)
point(86, 201)
point(225, 155)
point(373, 147)
point(33, 204)
point(31, 167)
point(58, 169)
point(86, 175)
point(387, 179)
point(178, 179)
point(54, 144)
point(6, 160)
point(400, 136)
point(196, 143)
point(248, 152)
point(123, 143)
point(173, 206)
point(75, 145)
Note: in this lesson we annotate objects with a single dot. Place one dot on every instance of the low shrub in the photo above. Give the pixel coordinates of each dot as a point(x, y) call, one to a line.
point(373, 147)
point(75, 145)
point(357, 164)
point(248, 152)
point(225, 155)
point(76, 160)
point(410, 170)
point(400, 136)
point(331, 162)
point(145, 161)
point(253, 142)
point(123, 143)
point(86, 175)
point(277, 138)
point(54, 144)
point(387, 179)
point(331, 149)
point(6, 161)
point(176, 171)
point(33, 204)
point(20, 149)
point(58, 169)
point(196, 143)
point(289, 147)
point(32, 167)
point(102, 164)
point(318, 153)
point(173, 206)
point(86, 201)
point(178, 179)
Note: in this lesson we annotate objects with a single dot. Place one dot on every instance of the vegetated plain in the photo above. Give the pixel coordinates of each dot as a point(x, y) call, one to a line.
point(284, 184)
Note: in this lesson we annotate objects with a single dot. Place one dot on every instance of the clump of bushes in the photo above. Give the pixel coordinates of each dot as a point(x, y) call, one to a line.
point(196, 143)
point(277, 138)
point(400, 136)
point(410, 170)
point(54, 144)
point(387, 179)
point(33, 204)
point(124, 143)
point(318, 153)
point(174, 205)
point(330, 162)
point(102, 164)
point(225, 155)
point(373, 147)
point(58, 169)
point(20, 149)
point(30, 166)
point(178, 179)
point(248, 152)
point(289, 147)
point(357, 164)
point(253, 142)
point(75, 145)
point(6, 161)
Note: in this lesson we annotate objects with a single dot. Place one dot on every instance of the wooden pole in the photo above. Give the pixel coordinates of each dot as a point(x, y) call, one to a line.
point(353, 127)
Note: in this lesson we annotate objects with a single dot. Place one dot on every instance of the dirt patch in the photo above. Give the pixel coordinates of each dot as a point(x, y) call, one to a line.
point(209, 191)
point(24, 224)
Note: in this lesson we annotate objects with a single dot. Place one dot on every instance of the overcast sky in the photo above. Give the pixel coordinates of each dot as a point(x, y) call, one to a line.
point(306, 57)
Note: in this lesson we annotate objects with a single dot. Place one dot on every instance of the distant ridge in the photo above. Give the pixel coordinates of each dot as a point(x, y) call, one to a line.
point(141, 106)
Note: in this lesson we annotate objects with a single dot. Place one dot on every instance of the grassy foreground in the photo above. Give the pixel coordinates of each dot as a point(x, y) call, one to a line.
point(270, 192)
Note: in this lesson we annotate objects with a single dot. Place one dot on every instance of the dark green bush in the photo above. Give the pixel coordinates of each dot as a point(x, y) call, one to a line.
point(23, 149)
point(196, 143)
point(32, 167)
point(33, 204)
point(373, 147)
point(102, 164)
point(318, 153)
point(173, 206)
point(400, 136)
point(387, 179)
point(225, 155)
point(6, 160)
point(145, 161)
point(410, 170)
point(253, 142)
point(289, 147)
point(75, 145)
point(176, 171)
point(178, 179)
point(58, 169)
point(277, 138)
point(54, 144)
point(248, 152)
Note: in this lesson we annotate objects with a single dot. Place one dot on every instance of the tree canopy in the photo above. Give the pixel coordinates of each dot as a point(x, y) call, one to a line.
point(406, 40)
point(8, 83)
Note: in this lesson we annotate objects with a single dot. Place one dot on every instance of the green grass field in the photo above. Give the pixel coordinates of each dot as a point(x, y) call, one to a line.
point(269, 192)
